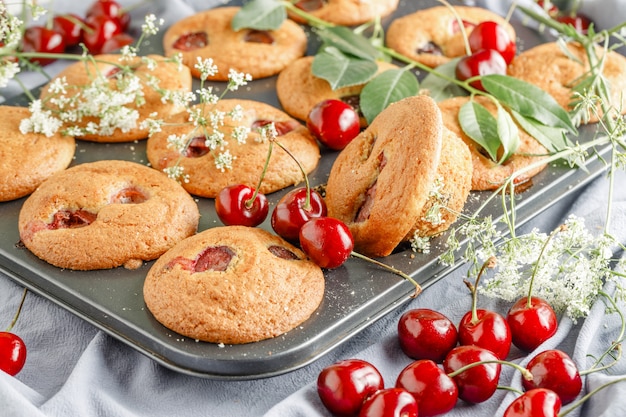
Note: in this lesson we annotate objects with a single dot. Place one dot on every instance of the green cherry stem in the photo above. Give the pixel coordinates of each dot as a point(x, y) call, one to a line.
point(589, 395)
point(526, 374)
point(418, 288)
point(489, 263)
point(307, 201)
point(17, 313)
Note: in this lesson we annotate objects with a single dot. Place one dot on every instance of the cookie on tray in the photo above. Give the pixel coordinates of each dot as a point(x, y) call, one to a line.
point(233, 285)
point(433, 36)
point(487, 174)
point(26, 160)
point(549, 68)
point(80, 75)
point(105, 214)
point(208, 34)
point(345, 12)
point(299, 90)
point(206, 179)
point(398, 177)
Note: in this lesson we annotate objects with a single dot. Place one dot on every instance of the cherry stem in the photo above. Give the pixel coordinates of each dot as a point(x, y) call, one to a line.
point(489, 263)
point(418, 288)
point(250, 201)
point(459, 21)
point(526, 374)
point(534, 274)
point(307, 201)
point(511, 389)
point(582, 400)
point(19, 309)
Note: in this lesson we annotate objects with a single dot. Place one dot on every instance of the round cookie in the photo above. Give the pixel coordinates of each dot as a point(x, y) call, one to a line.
point(208, 34)
point(384, 182)
point(299, 90)
point(106, 214)
point(345, 12)
point(206, 179)
point(233, 285)
point(432, 36)
point(170, 76)
point(487, 174)
point(547, 67)
point(26, 160)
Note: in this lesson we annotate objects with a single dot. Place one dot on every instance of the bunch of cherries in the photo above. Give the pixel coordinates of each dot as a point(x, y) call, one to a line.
point(103, 29)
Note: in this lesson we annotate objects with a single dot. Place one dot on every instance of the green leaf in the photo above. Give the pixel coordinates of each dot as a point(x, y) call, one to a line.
point(348, 42)
point(260, 15)
point(554, 139)
point(386, 88)
point(528, 100)
point(341, 70)
point(480, 125)
point(508, 133)
point(440, 88)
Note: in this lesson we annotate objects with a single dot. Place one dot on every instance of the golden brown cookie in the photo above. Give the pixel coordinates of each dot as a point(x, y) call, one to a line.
point(299, 90)
point(384, 182)
point(208, 34)
point(106, 214)
point(170, 76)
point(433, 36)
point(345, 12)
point(487, 174)
point(206, 179)
point(547, 67)
point(234, 285)
point(26, 160)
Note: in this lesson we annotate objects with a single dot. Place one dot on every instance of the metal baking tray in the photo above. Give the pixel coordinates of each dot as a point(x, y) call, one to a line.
point(357, 294)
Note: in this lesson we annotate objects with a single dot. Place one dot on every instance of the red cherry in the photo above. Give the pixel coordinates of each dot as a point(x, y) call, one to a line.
point(117, 42)
point(579, 22)
point(111, 9)
point(435, 392)
point(489, 330)
point(100, 28)
point(334, 123)
point(531, 325)
point(390, 402)
point(491, 35)
point(292, 211)
point(41, 39)
point(538, 402)
point(70, 26)
point(235, 206)
point(12, 353)
point(483, 62)
point(327, 241)
point(554, 370)
point(476, 384)
point(345, 385)
point(426, 334)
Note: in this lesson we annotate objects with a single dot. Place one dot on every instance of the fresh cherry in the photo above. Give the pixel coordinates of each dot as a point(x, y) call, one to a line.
point(554, 370)
point(435, 392)
point(345, 385)
point(426, 334)
point(334, 123)
point(70, 26)
point(580, 22)
point(390, 402)
point(112, 9)
point(538, 402)
point(483, 62)
point(491, 35)
point(531, 323)
point(478, 383)
point(487, 329)
point(294, 209)
point(327, 241)
point(44, 40)
point(240, 205)
point(12, 353)
point(100, 28)
point(116, 42)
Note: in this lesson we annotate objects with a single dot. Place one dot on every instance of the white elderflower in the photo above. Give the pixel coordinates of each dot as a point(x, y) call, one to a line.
point(41, 121)
point(151, 25)
point(176, 173)
point(206, 67)
point(420, 244)
point(8, 70)
point(240, 134)
point(224, 161)
point(215, 140)
point(267, 133)
point(237, 79)
point(177, 142)
point(207, 96)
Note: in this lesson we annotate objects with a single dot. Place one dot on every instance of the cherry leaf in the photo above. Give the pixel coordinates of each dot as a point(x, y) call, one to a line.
point(348, 42)
point(480, 125)
point(528, 100)
point(508, 133)
point(439, 83)
point(386, 88)
point(341, 70)
point(260, 15)
point(554, 139)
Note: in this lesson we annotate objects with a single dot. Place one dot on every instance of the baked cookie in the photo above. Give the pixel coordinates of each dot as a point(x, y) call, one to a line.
point(233, 284)
point(80, 75)
point(208, 34)
point(433, 36)
point(385, 182)
point(487, 174)
point(26, 160)
point(345, 12)
point(205, 179)
point(299, 90)
point(106, 214)
point(547, 67)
